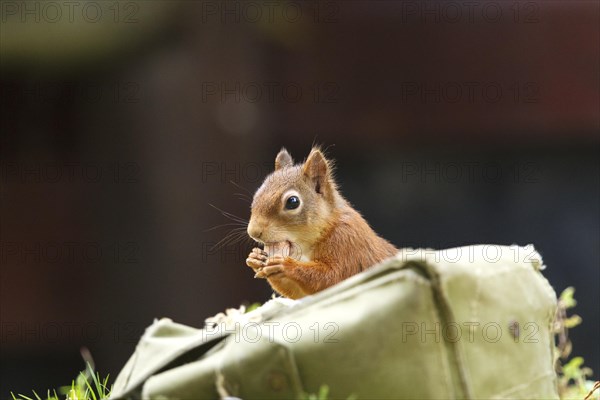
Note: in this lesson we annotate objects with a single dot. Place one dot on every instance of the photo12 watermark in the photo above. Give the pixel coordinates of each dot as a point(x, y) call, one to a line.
point(407, 333)
point(54, 332)
point(271, 12)
point(68, 92)
point(468, 331)
point(289, 332)
point(54, 12)
point(240, 173)
point(270, 92)
point(469, 12)
point(237, 249)
point(459, 171)
point(470, 92)
point(469, 172)
point(119, 172)
point(69, 252)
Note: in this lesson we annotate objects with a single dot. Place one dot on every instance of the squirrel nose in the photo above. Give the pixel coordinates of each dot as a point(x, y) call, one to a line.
point(254, 231)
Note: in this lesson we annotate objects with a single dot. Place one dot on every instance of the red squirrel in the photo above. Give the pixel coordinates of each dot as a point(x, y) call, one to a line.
point(313, 238)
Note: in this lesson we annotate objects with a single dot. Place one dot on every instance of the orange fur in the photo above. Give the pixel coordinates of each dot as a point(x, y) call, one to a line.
point(335, 239)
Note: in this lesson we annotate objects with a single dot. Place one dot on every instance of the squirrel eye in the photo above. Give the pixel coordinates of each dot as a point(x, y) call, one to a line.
point(292, 203)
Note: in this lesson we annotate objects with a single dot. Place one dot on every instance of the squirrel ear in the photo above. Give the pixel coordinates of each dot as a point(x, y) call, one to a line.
point(316, 168)
point(283, 159)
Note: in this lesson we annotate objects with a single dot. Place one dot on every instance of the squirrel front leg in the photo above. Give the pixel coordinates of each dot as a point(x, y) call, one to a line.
point(295, 279)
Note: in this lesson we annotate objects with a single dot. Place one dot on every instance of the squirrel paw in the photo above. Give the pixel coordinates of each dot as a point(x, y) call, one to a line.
point(274, 265)
point(257, 259)
point(266, 272)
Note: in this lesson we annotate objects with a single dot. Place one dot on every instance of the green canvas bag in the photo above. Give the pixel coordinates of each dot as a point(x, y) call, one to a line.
point(469, 322)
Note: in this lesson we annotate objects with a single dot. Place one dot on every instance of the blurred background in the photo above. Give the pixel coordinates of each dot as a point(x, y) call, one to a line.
point(452, 123)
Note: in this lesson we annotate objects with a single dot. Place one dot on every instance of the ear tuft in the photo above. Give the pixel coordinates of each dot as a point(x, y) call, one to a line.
point(317, 169)
point(283, 159)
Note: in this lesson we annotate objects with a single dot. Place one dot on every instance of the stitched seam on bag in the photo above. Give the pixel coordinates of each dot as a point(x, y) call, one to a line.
point(443, 351)
point(446, 313)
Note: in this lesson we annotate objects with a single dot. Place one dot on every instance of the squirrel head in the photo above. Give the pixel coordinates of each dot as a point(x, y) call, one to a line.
point(296, 202)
